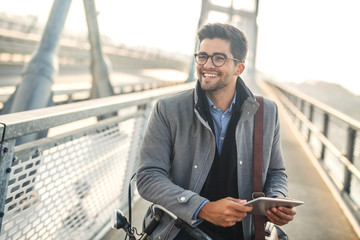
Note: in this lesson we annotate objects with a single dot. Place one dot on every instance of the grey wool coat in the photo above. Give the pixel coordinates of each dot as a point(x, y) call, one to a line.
point(178, 150)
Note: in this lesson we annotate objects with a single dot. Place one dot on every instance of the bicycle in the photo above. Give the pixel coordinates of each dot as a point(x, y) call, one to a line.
point(119, 221)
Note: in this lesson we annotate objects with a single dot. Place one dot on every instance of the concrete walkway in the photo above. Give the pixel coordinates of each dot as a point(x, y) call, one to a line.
point(319, 218)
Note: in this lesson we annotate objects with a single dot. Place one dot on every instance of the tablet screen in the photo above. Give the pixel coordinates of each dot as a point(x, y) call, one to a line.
point(261, 204)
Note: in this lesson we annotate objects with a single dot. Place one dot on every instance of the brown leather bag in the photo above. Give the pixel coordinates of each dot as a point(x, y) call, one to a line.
point(257, 180)
point(268, 231)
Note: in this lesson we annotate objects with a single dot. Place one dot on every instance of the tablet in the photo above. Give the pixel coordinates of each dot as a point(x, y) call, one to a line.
point(261, 204)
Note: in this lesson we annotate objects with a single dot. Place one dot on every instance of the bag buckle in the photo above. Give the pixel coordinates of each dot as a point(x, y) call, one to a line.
point(257, 194)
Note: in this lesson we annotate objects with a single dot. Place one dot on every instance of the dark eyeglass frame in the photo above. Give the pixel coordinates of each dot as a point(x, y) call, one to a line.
point(212, 58)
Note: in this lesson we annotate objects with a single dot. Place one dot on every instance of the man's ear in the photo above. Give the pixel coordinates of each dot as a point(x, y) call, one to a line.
point(240, 67)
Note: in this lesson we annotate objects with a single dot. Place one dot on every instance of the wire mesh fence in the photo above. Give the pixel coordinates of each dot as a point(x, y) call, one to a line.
point(68, 190)
point(67, 185)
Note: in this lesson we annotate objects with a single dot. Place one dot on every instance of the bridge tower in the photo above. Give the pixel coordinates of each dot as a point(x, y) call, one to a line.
point(34, 91)
point(242, 14)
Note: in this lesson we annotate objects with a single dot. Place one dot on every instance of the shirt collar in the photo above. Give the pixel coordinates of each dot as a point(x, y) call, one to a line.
point(214, 107)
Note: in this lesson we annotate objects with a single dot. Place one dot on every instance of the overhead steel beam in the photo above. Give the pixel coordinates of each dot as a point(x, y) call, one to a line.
point(101, 86)
point(250, 16)
point(202, 19)
point(35, 89)
point(242, 13)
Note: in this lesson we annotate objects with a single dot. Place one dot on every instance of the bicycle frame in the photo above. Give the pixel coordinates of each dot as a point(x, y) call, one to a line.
point(119, 221)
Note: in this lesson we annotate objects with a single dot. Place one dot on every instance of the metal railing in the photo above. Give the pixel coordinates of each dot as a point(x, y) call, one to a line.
point(16, 48)
point(66, 185)
point(83, 94)
point(334, 139)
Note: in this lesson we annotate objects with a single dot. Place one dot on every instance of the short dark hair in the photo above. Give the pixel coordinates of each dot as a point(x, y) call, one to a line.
point(238, 41)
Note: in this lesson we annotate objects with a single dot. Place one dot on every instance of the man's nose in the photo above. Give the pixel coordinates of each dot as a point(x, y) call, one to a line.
point(209, 62)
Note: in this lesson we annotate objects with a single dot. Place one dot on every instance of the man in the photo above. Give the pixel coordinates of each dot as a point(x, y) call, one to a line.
point(196, 159)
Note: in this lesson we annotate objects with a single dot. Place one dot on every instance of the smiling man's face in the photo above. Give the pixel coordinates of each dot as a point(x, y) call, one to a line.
point(214, 78)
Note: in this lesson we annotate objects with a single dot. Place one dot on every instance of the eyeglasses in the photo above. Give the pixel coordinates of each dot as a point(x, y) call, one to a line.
point(218, 59)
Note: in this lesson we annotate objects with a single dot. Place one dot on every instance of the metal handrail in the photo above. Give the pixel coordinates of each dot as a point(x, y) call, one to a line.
point(118, 88)
point(345, 182)
point(316, 103)
point(27, 122)
point(24, 43)
point(324, 140)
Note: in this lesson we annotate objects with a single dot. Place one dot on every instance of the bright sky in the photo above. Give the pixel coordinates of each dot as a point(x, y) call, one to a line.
point(311, 40)
point(297, 41)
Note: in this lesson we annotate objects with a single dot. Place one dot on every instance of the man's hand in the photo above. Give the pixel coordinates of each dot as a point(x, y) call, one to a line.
point(224, 212)
point(281, 215)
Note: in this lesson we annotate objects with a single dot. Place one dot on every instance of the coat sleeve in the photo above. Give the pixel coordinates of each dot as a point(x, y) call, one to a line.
point(153, 180)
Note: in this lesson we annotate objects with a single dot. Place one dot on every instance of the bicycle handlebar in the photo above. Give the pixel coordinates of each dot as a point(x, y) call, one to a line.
point(195, 232)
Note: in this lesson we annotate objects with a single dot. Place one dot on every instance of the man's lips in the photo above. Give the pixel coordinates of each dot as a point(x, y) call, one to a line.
point(209, 75)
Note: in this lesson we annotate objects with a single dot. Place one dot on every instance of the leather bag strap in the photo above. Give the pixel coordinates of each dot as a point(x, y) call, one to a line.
point(257, 181)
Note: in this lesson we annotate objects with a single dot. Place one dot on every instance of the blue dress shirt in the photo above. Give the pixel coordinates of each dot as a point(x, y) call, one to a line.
point(221, 120)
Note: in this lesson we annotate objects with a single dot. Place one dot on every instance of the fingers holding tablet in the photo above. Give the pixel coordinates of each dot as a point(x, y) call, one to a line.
point(262, 204)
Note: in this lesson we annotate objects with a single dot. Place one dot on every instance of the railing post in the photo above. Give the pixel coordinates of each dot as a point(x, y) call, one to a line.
point(302, 105)
point(6, 156)
point(350, 155)
point(325, 133)
point(301, 108)
point(291, 98)
point(311, 115)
